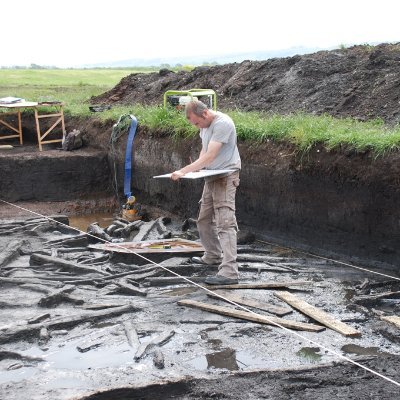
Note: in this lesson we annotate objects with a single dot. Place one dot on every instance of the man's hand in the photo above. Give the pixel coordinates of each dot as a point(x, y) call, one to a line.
point(177, 175)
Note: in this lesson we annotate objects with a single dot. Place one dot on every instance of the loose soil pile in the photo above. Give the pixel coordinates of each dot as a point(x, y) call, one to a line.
point(361, 82)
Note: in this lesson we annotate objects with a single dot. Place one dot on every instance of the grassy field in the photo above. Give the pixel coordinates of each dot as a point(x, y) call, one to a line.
point(76, 87)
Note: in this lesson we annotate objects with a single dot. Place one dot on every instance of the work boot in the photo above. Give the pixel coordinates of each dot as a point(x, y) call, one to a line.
point(220, 280)
point(199, 260)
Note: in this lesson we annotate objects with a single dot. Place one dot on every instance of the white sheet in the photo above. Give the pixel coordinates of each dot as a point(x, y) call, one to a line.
point(199, 174)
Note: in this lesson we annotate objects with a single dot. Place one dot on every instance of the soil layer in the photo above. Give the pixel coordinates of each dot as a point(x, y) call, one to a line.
point(360, 82)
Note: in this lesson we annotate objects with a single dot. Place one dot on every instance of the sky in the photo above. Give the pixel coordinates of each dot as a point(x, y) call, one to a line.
point(79, 32)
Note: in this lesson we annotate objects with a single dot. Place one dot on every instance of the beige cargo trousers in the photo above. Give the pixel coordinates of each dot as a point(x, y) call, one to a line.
point(217, 224)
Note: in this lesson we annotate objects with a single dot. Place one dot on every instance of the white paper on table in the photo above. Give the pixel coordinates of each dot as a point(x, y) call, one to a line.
point(8, 100)
point(199, 174)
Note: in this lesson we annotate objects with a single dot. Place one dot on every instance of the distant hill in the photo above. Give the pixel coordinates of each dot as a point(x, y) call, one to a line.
point(204, 59)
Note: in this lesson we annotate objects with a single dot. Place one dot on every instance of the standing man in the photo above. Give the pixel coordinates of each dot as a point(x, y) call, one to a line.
point(216, 221)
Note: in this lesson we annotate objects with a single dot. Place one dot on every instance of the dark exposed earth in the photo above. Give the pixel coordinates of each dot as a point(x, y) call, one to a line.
point(361, 82)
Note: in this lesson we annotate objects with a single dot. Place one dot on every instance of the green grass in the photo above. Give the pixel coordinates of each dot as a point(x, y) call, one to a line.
point(73, 87)
point(76, 87)
point(24, 78)
point(306, 131)
point(302, 130)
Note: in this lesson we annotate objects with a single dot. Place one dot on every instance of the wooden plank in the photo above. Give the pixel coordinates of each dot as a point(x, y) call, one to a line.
point(230, 312)
point(151, 246)
point(392, 319)
point(246, 301)
point(317, 314)
point(262, 285)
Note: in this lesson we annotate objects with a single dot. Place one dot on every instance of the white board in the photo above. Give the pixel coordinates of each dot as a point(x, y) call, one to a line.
point(199, 174)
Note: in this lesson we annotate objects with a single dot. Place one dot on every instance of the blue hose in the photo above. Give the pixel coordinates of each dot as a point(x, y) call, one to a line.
point(128, 157)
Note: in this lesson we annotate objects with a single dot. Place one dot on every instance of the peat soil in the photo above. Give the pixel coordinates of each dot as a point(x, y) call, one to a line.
point(81, 323)
point(360, 82)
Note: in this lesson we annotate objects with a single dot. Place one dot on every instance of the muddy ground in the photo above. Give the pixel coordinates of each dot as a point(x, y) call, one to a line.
point(340, 204)
point(77, 323)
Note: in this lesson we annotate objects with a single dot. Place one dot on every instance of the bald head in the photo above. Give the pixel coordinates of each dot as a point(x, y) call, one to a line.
point(195, 107)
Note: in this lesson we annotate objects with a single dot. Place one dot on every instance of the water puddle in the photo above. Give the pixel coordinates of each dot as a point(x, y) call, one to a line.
point(310, 353)
point(82, 222)
point(229, 359)
point(68, 358)
point(362, 351)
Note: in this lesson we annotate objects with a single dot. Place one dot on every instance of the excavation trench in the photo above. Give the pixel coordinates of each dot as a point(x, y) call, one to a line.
point(337, 203)
point(77, 322)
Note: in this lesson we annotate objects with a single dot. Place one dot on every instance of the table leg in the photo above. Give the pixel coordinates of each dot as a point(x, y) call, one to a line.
point(39, 135)
point(20, 127)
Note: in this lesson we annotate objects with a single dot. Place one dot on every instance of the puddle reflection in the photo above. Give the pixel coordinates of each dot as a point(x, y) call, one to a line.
point(362, 351)
point(310, 353)
point(229, 359)
point(82, 222)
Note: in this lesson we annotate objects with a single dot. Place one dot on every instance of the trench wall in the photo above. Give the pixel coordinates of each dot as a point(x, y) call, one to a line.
point(336, 203)
point(340, 203)
point(53, 175)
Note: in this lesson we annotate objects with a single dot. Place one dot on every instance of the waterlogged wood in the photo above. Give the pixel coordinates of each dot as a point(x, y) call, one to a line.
point(393, 319)
point(96, 260)
point(262, 285)
point(36, 288)
point(318, 314)
point(71, 249)
point(145, 230)
point(96, 281)
point(280, 311)
point(265, 258)
point(94, 230)
point(266, 267)
point(55, 297)
point(25, 281)
point(374, 297)
point(17, 332)
point(158, 359)
point(44, 335)
point(138, 272)
point(172, 280)
point(133, 226)
point(73, 241)
point(100, 306)
point(65, 264)
point(11, 251)
point(125, 288)
point(230, 312)
point(131, 334)
point(159, 340)
point(11, 355)
point(39, 318)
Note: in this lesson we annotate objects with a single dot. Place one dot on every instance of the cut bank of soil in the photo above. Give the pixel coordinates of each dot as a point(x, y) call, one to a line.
point(361, 82)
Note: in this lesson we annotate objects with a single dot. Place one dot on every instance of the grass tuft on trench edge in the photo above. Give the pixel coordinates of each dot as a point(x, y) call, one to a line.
point(304, 131)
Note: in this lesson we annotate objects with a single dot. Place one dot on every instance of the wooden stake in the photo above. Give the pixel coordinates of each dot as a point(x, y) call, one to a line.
point(251, 316)
point(392, 319)
point(317, 314)
point(281, 311)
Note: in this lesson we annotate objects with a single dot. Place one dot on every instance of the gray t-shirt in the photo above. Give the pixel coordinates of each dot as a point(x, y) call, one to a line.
point(222, 130)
